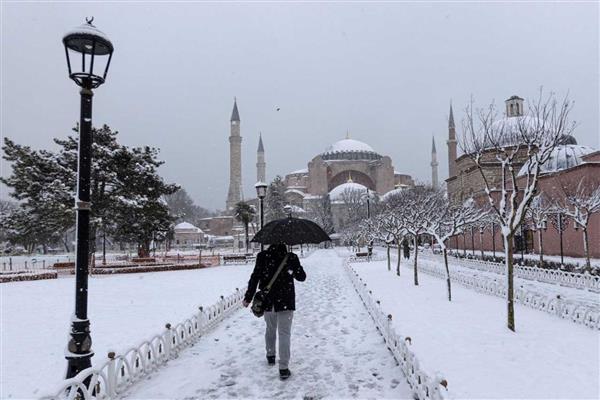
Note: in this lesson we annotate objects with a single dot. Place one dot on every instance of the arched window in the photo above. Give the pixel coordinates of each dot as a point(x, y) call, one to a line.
point(517, 108)
point(511, 109)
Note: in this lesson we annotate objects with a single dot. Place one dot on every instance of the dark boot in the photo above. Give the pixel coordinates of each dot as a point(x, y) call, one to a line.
point(284, 374)
point(271, 360)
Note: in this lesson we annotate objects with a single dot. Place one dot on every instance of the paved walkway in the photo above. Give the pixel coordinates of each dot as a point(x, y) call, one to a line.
point(336, 351)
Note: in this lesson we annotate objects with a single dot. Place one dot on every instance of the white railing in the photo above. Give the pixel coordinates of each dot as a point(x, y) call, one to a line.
point(571, 310)
point(563, 278)
point(112, 378)
point(423, 385)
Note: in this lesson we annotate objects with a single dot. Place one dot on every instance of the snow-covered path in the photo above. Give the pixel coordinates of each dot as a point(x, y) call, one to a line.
point(336, 351)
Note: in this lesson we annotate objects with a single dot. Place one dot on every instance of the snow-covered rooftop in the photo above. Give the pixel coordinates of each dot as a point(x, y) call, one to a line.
point(348, 145)
point(562, 157)
point(300, 171)
point(186, 226)
point(336, 193)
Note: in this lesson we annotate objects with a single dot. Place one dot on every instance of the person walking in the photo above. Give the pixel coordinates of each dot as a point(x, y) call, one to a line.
point(281, 300)
point(406, 249)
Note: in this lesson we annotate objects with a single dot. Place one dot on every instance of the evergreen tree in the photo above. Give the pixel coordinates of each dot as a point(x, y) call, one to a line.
point(275, 200)
point(126, 191)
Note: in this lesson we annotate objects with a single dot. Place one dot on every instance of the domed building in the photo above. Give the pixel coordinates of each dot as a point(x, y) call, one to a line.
point(568, 166)
point(345, 165)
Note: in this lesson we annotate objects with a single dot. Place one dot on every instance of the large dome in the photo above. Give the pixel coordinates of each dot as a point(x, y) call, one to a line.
point(563, 157)
point(509, 131)
point(337, 192)
point(350, 149)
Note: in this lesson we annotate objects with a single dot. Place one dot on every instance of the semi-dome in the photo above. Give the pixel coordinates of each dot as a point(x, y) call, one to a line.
point(350, 149)
point(563, 157)
point(337, 192)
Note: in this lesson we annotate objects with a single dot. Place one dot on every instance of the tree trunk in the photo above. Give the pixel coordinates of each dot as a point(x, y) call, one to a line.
point(508, 255)
point(447, 275)
point(103, 248)
point(399, 256)
point(247, 241)
point(66, 242)
point(415, 269)
point(586, 247)
point(389, 258)
point(541, 247)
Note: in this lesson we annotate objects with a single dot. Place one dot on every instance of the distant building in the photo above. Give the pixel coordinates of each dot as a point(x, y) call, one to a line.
point(188, 236)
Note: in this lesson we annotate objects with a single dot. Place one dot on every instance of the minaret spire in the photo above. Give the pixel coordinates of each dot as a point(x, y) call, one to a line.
point(261, 166)
point(451, 144)
point(234, 194)
point(434, 165)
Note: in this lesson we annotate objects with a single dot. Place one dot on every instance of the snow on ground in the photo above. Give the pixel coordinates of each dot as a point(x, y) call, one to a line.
point(336, 351)
point(468, 342)
point(567, 293)
point(123, 310)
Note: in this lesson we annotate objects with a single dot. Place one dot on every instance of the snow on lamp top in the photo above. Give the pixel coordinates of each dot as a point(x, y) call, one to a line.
point(82, 38)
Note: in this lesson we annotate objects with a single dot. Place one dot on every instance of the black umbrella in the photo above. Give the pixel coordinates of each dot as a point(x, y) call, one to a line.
point(291, 231)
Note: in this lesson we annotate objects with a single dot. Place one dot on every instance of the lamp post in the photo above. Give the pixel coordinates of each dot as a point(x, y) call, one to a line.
point(494, 240)
point(261, 193)
point(481, 240)
point(95, 49)
point(367, 196)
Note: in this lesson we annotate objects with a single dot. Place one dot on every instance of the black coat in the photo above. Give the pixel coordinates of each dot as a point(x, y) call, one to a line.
point(282, 295)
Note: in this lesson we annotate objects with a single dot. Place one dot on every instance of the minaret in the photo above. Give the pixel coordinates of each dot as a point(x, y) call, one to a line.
point(234, 195)
point(260, 161)
point(434, 165)
point(451, 145)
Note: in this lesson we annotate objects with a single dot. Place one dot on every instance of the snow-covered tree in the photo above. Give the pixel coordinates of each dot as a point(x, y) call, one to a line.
point(532, 138)
point(319, 211)
point(416, 210)
point(373, 230)
point(537, 217)
point(182, 207)
point(446, 220)
point(580, 200)
point(393, 226)
point(275, 200)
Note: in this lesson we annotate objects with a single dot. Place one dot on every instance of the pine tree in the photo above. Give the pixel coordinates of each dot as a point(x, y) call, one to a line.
point(275, 200)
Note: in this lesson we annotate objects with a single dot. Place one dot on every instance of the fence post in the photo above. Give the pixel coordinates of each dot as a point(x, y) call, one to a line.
point(43, 264)
point(25, 264)
point(112, 376)
point(10, 263)
point(168, 341)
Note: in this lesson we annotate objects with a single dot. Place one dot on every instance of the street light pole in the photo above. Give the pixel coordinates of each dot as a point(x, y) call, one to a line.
point(261, 193)
point(88, 42)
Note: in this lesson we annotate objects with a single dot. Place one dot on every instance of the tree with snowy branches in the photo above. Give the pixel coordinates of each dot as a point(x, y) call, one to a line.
point(579, 201)
point(275, 200)
point(536, 216)
point(531, 137)
point(446, 220)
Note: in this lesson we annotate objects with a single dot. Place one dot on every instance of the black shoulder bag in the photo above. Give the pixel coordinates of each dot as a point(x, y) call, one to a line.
point(258, 302)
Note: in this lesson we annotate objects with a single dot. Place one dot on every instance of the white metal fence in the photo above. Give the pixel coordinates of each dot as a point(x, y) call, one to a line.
point(563, 278)
point(552, 304)
point(112, 378)
point(423, 385)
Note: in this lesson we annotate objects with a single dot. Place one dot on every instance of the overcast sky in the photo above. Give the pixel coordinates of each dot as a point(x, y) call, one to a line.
point(385, 72)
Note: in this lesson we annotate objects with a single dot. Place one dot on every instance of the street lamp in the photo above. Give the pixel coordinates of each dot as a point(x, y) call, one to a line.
point(481, 240)
point(261, 193)
point(367, 197)
point(95, 50)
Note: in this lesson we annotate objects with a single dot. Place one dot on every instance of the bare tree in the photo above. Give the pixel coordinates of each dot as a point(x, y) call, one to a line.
point(530, 139)
point(579, 202)
point(537, 216)
point(416, 210)
point(448, 220)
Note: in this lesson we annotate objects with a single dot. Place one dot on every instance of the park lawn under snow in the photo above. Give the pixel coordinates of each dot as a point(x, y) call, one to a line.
point(123, 310)
point(468, 342)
